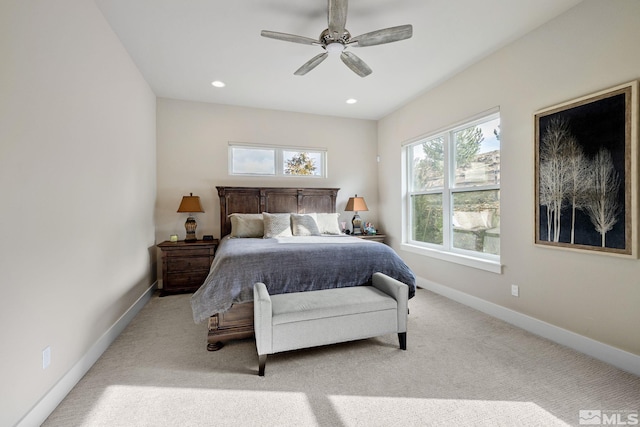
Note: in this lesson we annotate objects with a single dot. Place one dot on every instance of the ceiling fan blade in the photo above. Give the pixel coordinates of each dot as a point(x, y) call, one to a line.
point(337, 17)
point(355, 64)
point(386, 35)
point(311, 64)
point(289, 37)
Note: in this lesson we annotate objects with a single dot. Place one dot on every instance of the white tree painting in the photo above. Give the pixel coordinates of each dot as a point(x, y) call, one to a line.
point(582, 174)
point(601, 199)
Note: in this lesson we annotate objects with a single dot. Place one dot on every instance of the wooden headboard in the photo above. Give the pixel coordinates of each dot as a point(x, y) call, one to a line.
point(273, 200)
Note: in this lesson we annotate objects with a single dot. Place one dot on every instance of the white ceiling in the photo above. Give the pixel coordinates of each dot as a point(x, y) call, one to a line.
point(181, 46)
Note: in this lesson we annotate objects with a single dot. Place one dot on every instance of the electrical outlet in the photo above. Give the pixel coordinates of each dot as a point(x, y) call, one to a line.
point(46, 357)
point(515, 290)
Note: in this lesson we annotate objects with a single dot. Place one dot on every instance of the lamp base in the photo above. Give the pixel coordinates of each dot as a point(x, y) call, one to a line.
point(356, 223)
point(190, 225)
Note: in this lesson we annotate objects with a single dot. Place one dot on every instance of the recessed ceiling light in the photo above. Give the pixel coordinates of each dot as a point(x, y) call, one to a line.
point(217, 83)
point(351, 101)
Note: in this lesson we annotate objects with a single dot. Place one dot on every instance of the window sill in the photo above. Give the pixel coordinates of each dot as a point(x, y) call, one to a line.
point(479, 263)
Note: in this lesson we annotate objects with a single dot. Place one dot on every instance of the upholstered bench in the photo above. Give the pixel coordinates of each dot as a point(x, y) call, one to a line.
point(313, 318)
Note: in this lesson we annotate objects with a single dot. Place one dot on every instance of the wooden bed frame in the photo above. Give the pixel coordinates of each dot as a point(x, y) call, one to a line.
point(237, 322)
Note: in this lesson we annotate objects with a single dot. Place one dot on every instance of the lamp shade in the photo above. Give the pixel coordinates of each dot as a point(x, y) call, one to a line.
point(190, 204)
point(356, 204)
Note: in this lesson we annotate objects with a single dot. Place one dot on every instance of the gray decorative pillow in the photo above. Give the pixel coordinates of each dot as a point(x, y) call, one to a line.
point(328, 223)
point(246, 225)
point(304, 225)
point(277, 225)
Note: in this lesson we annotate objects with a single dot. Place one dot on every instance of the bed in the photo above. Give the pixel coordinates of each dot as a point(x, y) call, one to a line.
point(293, 262)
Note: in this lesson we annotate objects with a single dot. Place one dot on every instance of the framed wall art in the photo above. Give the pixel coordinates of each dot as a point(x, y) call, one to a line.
point(586, 176)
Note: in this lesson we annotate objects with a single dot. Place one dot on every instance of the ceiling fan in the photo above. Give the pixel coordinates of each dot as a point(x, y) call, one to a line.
point(336, 39)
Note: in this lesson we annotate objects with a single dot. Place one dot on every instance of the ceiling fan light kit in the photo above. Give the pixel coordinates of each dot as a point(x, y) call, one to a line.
point(334, 48)
point(335, 39)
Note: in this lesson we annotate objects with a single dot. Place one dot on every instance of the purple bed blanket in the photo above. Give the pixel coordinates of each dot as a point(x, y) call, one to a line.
point(292, 264)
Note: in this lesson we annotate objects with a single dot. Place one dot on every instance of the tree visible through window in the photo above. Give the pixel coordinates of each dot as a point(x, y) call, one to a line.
point(299, 164)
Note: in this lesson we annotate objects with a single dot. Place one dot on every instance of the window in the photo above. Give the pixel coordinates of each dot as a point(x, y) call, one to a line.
point(267, 160)
point(453, 190)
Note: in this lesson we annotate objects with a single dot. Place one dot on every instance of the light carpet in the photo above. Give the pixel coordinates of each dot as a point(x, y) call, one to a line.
point(461, 368)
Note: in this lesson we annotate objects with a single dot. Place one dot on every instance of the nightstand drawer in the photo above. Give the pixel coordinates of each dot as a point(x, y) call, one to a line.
point(193, 263)
point(374, 237)
point(183, 252)
point(191, 280)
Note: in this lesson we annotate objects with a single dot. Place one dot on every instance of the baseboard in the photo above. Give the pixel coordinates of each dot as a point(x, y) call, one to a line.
point(614, 356)
point(45, 406)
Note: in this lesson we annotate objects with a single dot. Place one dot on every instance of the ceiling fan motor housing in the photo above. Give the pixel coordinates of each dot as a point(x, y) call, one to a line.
point(327, 38)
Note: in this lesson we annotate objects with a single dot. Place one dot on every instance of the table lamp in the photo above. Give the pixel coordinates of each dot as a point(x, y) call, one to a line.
point(190, 204)
point(356, 204)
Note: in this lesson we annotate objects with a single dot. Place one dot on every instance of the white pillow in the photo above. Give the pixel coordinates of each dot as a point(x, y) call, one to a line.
point(277, 225)
point(304, 225)
point(328, 223)
point(246, 225)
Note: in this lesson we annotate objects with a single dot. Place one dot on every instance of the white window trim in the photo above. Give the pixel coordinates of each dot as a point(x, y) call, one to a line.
point(467, 260)
point(486, 262)
point(278, 159)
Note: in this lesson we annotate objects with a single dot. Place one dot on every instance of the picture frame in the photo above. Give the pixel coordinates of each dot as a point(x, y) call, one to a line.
point(586, 173)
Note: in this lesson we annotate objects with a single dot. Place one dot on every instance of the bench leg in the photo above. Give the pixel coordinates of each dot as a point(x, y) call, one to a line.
point(262, 361)
point(402, 338)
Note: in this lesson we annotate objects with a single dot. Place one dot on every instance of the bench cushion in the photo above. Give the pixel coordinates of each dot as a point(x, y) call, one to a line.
point(311, 305)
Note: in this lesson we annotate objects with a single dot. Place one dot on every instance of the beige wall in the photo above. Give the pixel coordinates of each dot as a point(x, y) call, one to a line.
point(592, 47)
point(77, 185)
point(193, 157)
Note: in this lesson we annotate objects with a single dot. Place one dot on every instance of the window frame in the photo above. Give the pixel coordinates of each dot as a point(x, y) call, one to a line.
point(278, 151)
point(446, 251)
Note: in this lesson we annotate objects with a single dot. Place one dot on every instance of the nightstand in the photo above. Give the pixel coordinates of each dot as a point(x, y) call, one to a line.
point(185, 266)
point(375, 237)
